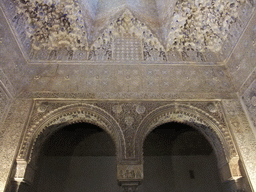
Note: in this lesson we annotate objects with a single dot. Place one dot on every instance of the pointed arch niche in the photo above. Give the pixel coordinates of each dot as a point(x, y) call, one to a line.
point(65, 151)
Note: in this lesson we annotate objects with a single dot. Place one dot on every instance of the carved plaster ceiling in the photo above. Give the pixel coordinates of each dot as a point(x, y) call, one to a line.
point(127, 30)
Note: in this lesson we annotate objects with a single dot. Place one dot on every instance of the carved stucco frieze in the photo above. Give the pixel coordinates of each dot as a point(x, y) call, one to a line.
point(11, 132)
point(244, 136)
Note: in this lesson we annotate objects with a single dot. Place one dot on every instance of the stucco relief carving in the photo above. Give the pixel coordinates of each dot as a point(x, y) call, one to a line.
point(128, 115)
point(125, 172)
point(243, 135)
point(9, 136)
point(125, 95)
point(59, 114)
point(200, 25)
point(195, 29)
point(210, 110)
point(128, 123)
point(53, 24)
point(215, 131)
point(130, 27)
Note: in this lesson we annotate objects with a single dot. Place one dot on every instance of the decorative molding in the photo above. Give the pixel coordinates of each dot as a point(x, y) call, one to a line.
point(216, 131)
point(125, 122)
point(7, 84)
point(50, 116)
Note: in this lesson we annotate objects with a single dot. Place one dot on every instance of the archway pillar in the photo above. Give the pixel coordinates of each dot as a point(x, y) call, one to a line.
point(231, 175)
point(129, 176)
point(230, 170)
point(24, 176)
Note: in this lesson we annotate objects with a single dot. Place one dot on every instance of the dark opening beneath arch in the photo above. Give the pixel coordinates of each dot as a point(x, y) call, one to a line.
point(80, 139)
point(176, 139)
point(177, 157)
point(78, 157)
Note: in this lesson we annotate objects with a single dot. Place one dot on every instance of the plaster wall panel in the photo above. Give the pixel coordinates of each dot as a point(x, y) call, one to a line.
point(242, 61)
point(10, 134)
point(12, 62)
point(244, 137)
point(249, 99)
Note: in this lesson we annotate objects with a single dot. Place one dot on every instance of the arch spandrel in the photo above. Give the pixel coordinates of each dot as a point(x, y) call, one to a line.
point(194, 117)
point(65, 115)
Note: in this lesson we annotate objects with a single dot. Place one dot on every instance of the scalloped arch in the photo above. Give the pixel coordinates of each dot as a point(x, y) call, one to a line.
point(69, 114)
point(192, 116)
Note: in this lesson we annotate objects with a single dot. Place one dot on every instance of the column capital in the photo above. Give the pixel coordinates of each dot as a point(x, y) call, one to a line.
point(129, 176)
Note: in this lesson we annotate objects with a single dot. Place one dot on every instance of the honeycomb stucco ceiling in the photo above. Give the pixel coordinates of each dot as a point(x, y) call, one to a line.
point(189, 28)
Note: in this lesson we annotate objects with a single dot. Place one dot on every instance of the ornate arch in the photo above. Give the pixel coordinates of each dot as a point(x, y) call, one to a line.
point(36, 134)
point(194, 117)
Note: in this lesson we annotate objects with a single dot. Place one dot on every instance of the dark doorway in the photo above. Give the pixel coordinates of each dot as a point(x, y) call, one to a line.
point(178, 158)
point(78, 157)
